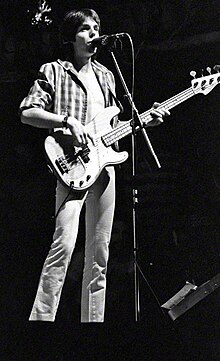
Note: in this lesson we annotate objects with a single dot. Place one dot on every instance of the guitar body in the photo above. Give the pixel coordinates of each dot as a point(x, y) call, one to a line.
point(79, 167)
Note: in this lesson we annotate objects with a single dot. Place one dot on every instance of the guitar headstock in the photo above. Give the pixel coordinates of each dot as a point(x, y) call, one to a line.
point(205, 84)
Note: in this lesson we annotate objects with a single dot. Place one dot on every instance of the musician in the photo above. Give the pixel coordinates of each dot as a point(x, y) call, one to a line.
point(67, 94)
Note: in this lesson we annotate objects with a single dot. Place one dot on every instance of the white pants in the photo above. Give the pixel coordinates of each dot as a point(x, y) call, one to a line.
point(100, 204)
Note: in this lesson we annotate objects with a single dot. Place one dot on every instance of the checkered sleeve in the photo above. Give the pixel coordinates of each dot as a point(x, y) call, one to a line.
point(41, 94)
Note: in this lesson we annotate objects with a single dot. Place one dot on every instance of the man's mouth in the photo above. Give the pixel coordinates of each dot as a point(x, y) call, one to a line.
point(91, 46)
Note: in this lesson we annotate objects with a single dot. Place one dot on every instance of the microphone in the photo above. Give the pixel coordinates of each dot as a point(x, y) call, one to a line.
point(106, 39)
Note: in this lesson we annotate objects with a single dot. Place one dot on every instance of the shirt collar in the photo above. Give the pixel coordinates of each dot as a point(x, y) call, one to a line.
point(67, 65)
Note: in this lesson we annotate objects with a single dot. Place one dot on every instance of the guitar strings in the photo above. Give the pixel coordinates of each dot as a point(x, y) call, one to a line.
point(125, 129)
point(168, 104)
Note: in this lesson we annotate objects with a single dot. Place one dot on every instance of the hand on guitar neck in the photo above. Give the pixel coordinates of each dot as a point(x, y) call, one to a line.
point(157, 113)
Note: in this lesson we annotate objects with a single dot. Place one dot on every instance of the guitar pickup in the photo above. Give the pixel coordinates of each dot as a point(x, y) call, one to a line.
point(85, 158)
point(83, 153)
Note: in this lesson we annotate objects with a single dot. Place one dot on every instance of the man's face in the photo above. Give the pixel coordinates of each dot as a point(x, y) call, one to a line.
point(86, 32)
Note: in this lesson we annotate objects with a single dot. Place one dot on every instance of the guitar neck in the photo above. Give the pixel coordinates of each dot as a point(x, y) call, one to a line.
point(170, 103)
point(126, 129)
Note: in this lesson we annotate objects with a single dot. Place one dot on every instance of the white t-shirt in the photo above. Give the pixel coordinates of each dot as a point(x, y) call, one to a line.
point(96, 101)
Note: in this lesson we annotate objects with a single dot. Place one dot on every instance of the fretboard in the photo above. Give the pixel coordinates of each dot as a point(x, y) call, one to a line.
point(125, 129)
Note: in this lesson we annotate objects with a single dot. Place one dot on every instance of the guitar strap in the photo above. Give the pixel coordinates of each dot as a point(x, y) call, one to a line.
point(115, 119)
point(117, 102)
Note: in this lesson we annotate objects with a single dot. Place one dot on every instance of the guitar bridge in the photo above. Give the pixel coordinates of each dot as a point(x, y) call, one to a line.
point(68, 165)
point(62, 164)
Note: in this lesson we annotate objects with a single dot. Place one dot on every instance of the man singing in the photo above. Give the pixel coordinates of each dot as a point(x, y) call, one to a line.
point(66, 96)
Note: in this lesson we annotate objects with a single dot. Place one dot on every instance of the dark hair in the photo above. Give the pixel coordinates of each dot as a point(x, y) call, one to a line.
point(73, 19)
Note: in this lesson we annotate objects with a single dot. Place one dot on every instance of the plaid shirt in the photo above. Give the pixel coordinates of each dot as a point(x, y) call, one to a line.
point(59, 90)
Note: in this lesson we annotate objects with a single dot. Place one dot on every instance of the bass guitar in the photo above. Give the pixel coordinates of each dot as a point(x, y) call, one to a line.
point(79, 167)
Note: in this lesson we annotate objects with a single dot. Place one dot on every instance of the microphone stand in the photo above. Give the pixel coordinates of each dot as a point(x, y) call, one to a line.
point(139, 124)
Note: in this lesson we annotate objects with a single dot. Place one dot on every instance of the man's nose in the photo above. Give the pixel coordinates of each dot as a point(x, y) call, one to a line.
point(93, 33)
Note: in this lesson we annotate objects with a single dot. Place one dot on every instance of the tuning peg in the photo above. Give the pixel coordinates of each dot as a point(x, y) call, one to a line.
point(209, 70)
point(193, 73)
point(217, 68)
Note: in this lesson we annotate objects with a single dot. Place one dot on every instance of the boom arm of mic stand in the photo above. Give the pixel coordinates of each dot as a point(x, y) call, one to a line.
point(140, 123)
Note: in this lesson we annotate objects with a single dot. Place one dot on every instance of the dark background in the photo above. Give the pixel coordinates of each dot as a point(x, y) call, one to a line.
point(178, 209)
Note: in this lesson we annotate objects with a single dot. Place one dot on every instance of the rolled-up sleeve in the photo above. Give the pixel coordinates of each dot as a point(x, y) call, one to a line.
point(41, 94)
